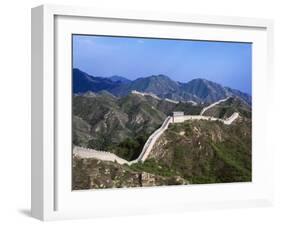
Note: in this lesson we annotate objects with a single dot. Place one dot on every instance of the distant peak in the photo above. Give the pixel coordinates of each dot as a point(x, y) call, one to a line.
point(89, 94)
point(118, 78)
point(200, 79)
point(204, 81)
point(160, 76)
point(78, 71)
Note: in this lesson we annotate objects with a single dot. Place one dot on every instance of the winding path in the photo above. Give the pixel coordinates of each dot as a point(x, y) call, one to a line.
point(87, 153)
point(152, 139)
point(107, 156)
point(213, 104)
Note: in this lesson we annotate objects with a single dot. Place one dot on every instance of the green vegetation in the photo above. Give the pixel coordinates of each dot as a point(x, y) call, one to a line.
point(130, 148)
point(227, 108)
point(196, 151)
point(206, 152)
point(151, 166)
point(92, 173)
point(120, 125)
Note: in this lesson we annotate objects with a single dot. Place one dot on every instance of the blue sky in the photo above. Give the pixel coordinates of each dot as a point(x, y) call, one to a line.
point(227, 63)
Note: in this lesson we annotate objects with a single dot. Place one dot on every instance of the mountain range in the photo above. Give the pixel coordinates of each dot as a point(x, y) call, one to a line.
point(104, 122)
point(195, 152)
point(198, 90)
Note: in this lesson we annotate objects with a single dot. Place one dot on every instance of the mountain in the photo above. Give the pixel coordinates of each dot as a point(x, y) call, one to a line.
point(244, 96)
point(192, 152)
point(116, 78)
point(103, 122)
point(205, 90)
point(198, 90)
point(226, 108)
point(102, 174)
point(206, 151)
point(210, 92)
point(209, 151)
point(121, 125)
point(157, 84)
point(83, 82)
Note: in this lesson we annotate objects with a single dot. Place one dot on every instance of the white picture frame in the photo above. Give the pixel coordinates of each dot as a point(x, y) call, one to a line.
point(52, 197)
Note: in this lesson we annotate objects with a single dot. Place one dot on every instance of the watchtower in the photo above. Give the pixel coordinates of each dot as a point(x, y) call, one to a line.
point(177, 114)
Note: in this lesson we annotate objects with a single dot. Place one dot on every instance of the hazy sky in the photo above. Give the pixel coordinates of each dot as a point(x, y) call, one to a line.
point(229, 64)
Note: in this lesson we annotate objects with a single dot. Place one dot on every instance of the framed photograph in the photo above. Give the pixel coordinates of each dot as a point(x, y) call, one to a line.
point(137, 112)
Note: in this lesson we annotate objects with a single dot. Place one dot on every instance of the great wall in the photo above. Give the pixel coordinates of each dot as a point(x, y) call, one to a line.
point(152, 139)
point(176, 118)
point(82, 152)
point(158, 98)
point(212, 105)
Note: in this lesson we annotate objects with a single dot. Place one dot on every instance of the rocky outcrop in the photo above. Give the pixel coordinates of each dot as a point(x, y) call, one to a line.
point(95, 174)
point(204, 151)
